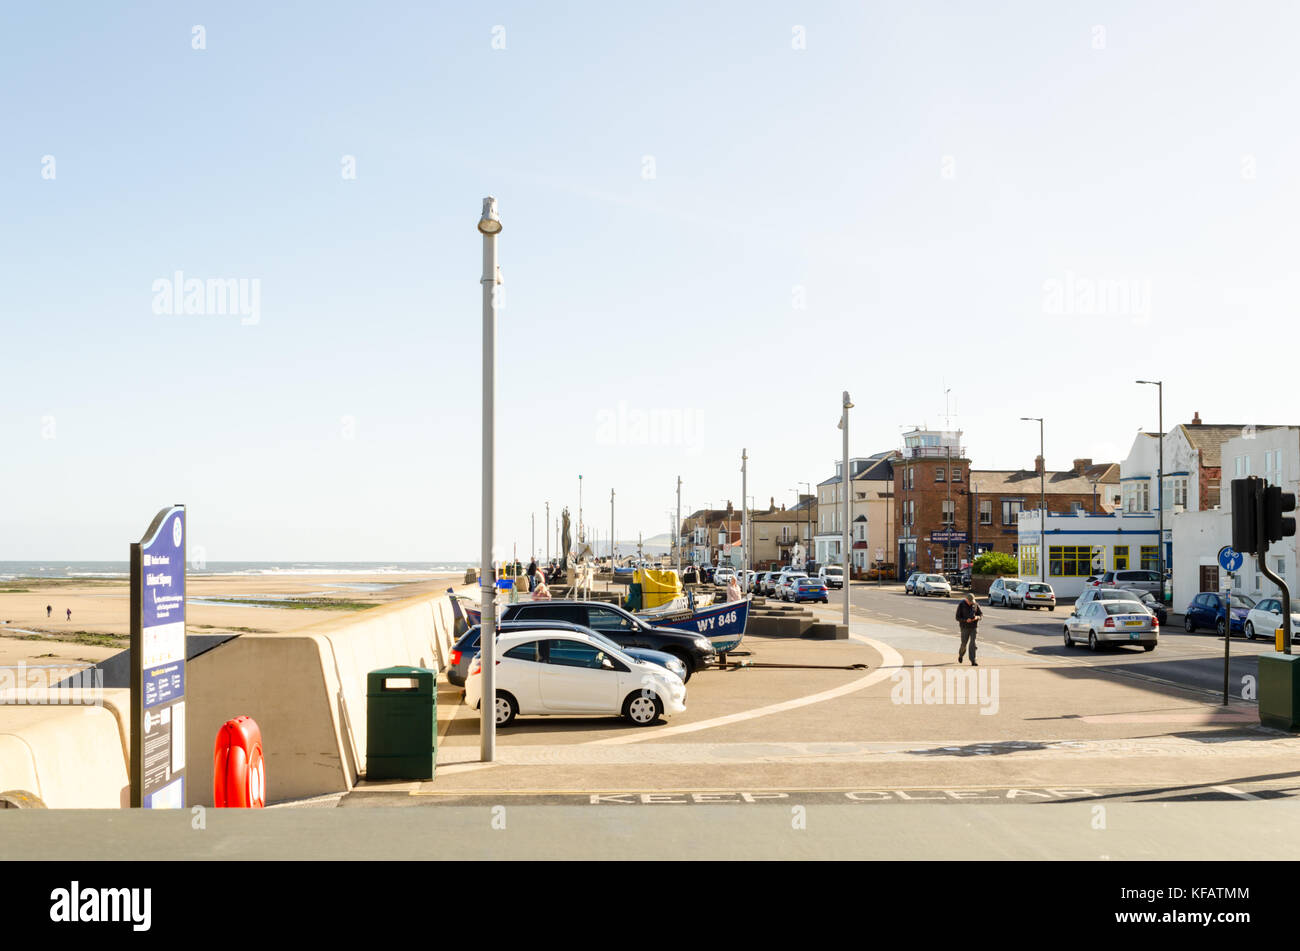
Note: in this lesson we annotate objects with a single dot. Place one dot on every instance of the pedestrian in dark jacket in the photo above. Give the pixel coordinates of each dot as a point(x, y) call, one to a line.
point(968, 617)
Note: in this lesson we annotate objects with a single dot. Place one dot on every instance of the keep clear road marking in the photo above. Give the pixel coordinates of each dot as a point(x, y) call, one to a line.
point(890, 661)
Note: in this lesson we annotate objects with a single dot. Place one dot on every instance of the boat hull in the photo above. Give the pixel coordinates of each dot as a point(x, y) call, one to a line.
point(723, 624)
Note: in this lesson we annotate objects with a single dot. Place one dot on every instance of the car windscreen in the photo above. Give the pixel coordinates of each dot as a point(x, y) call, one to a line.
point(1241, 601)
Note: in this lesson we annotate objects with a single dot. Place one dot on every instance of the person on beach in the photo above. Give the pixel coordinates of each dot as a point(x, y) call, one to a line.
point(733, 589)
point(968, 617)
point(532, 575)
point(48, 610)
point(541, 592)
point(69, 614)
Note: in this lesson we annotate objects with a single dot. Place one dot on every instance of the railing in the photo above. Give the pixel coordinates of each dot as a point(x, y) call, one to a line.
point(933, 452)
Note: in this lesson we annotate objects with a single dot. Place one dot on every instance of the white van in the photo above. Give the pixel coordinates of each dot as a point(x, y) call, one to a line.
point(832, 576)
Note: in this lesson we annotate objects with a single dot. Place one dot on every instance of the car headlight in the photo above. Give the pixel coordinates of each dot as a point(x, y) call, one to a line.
point(703, 643)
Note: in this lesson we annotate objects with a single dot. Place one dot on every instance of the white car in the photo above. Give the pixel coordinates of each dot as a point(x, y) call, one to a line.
point(832, 576)
point(566, 672)
point(723, 575)
point(933, 584)
point(784, 584)
point(1266, 617)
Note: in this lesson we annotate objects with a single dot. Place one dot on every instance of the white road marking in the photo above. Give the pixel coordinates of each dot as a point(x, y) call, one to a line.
point(1233, 791)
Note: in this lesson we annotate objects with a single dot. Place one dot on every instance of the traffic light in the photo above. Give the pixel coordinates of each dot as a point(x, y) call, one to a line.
point(1245, 525)
point(1275, 525)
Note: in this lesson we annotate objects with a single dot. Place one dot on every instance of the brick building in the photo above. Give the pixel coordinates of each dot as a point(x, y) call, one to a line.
point(946, 512)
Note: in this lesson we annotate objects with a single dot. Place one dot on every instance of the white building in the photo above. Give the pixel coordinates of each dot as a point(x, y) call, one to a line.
point(1272, 454)
point(871, 528)
point(1083, 544)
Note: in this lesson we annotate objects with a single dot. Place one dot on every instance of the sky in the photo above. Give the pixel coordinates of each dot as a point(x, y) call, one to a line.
point(716, 218)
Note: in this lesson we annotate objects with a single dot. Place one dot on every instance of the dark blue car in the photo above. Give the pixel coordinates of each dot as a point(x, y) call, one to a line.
point(1207, 611)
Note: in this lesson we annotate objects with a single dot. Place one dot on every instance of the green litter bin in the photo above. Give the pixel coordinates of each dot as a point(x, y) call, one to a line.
point(401, 723)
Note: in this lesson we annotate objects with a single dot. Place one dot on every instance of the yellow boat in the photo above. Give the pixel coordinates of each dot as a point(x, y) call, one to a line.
point(657, 587)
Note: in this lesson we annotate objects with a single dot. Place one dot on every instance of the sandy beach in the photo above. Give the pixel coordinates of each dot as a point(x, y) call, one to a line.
point(100, 624)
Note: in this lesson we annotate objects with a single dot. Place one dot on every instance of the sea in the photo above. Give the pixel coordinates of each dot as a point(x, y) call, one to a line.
point(11, 570)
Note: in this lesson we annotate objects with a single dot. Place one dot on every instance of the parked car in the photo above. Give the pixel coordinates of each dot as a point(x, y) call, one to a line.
point(1145, 598)
point(933, 584)
point(784, 582)
point(566, 672)
point(965, 577)
point(1112, 622)
point(1032, 594)
point(1207, 610)
point(1134, 579)
point(619, 626)
point(462, 654)
point(808, 589)
point(999, 590)
point(1266, 617)
point(723, 574)
point(832, 576)
point(909, 586)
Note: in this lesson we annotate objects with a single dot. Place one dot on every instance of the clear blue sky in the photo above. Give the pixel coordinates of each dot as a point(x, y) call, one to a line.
point(923, 172)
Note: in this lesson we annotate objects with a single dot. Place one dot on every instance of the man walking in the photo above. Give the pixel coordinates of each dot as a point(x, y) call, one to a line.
point(968, 616)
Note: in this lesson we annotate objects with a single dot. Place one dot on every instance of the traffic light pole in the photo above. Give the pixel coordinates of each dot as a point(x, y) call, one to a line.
point(1263, 569)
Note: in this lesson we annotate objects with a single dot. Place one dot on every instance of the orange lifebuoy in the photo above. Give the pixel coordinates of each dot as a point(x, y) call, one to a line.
point(238, 771)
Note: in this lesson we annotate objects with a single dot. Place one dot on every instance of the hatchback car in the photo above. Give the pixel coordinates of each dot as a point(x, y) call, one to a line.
point(1032, 594)
point(1266, 617)
point(462, 654)
point(933, 584)
point(909, 586)
point(783, 583)
point(1000, 588)
point(1207, 611)
point(558, 672)
point(808, 589)
point(1112, 622)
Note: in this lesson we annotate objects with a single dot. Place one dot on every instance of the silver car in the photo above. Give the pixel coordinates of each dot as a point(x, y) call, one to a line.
point(933, 584)
point(1112, 622)
point(1031, 594)
point(999, 590)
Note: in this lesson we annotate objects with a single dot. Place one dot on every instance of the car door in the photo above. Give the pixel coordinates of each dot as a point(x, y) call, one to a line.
point(575, 678)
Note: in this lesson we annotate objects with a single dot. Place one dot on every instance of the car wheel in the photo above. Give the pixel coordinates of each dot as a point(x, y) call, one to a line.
point(1052, 608)
point(1148, 647)
point(642, 708)
point(1093, 644)
point(1218, 627)
point(1069, 641)
point(507, 709)
point(1250, 631)
point(1188, 625)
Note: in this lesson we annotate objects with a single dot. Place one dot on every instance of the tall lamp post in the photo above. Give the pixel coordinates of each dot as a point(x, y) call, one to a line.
point(548, 533)
point(808, 512)
point(677, 527)
point(847, 405)
point(489, 225)
point(611, 531)
point(1042, 500)
point(1160, 479)
point(744, 516)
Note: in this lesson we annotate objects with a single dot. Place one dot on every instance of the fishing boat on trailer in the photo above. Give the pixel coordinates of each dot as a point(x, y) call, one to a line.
point(722, 624)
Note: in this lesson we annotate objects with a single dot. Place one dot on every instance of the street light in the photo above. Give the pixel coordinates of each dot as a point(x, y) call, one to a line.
point(847, 405)
point(489, 225)
point(1042, 500)
point(1160, 479)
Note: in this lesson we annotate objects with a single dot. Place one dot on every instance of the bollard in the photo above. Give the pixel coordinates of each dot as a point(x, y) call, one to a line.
point(1278, 645)
point(238, 771)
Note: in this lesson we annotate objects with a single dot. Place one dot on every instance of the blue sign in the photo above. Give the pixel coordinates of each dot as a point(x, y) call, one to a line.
point(959, 538)
point(1229, 559)
point(158, 663)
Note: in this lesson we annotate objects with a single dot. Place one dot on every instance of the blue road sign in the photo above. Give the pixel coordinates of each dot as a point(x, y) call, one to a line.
point(1230, 560)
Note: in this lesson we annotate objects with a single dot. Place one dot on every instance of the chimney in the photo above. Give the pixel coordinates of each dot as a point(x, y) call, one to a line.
point(1039, 466)
point(1196, 419)
point(730, 508)
point(1082, 465)
point(771, 503)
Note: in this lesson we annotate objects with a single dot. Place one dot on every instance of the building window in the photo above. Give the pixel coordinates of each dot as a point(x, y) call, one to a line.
point(956, 473)
point(1121, 557)
point(1150, 558)
point(1076, 508)
point(1070, 561)
point(1011, 511)
point(949, 512)
point(950, 559)
point(986, 512)
point(1028, 561)
point(939, 474)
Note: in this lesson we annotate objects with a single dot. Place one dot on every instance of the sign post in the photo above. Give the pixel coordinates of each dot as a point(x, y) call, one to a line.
point(1230, 561)
point(158, 663)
